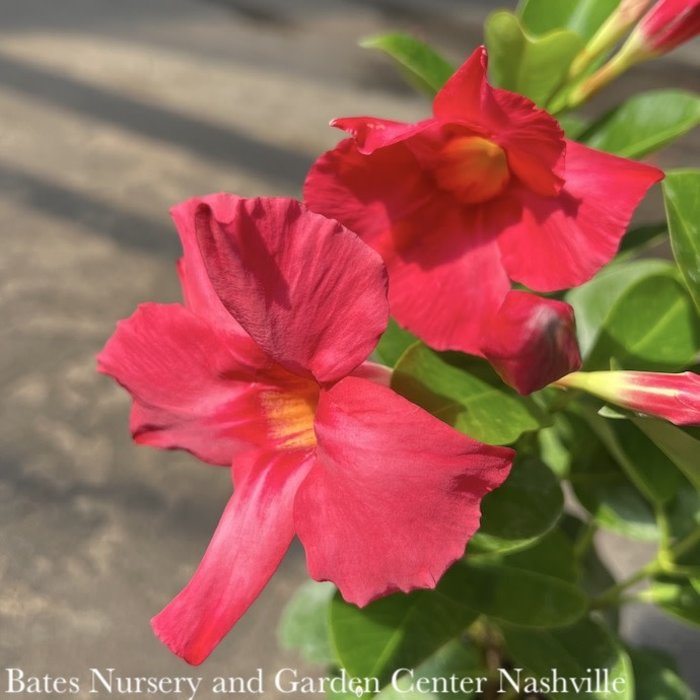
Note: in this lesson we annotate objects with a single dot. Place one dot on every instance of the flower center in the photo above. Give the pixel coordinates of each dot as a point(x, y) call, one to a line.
point(473, 168)
point(290, 413)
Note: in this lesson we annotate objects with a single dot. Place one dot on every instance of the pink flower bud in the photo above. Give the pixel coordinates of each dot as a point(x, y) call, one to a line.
point(668, 24)
point(675, 397)
point(531, 341)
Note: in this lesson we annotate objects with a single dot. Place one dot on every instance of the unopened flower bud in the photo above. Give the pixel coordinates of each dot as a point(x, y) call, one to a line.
point(675, 397)
point(531, 341)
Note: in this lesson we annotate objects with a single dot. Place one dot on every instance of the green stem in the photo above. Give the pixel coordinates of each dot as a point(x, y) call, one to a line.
point(685, 544)
point(664, 563)
point(563, 399)
point(664, 556)
point(614, 594)
point(585, 540)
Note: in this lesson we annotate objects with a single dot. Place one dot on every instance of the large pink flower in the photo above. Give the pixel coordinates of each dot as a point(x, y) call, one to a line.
point(486, 191)
point(263, 369)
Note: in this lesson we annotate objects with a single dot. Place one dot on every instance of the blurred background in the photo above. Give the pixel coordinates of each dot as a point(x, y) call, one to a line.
point(110, 112)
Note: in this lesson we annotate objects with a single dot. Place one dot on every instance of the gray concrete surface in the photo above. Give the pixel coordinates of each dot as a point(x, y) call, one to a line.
point(110, 112)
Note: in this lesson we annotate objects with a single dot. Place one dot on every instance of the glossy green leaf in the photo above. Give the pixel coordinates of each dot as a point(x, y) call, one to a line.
point(394, 343)
point(422, 65)
point(575, 652)
point(553, 451)
point(682, 199)
point(656, 677)
point(304, 625)
point(647, 466)
point(532, 588)
point(466, 393)
point(644, 123)
point(582, 16)
point(399, 631)
point(603, 488)
point(592, 301)
point(521, 511)
point(653, 325)
point(679, 445)
point(427, 682)
point(532, 66)
point(677, 597)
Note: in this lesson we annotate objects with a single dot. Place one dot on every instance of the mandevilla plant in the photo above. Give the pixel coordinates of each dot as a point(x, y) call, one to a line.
point(531, 348)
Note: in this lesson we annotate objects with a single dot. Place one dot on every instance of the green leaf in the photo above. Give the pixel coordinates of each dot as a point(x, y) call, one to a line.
point(422, 65)
point(456, 660)
point(553, 451)
point(649, 469)
point(399, 631)
point(532, 66)
point(583, 16)
point(521, 511)
point(532, 588)
point(682, 199)
point(644, 123)
point(640, 239)
point(592, 301)
point(653, 325)
point(304, 625)
point(573, 124)
point(656, 677)
point(602, 487)
point(394, 343)
point(679, 445)
point(575, 652)
point(675, 596)
point(466, 393)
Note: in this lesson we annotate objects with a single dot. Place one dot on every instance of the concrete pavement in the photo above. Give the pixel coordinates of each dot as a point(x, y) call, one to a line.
point(110, 113)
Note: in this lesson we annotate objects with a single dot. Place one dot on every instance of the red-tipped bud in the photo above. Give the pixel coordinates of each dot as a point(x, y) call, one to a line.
point(668, 24)
point(675, 397)
point(531, 341)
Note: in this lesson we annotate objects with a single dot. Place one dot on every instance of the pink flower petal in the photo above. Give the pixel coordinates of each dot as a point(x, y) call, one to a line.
point(443, 261)
point(305, 288)
point(467, 97)
point(534, 142)
point(200, 297)
point(371, 133)
point(531, 341)
point(193, 388)
point(364, 192)
point(250, 541)
point(394, 495)
point(446, 274)
point(563, 241)
point(532, 139)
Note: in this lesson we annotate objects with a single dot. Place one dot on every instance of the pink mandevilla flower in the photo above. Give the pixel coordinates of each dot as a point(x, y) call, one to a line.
point(486, 191)
point(262, 369)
